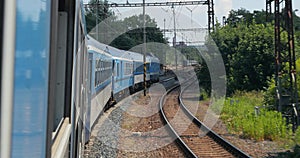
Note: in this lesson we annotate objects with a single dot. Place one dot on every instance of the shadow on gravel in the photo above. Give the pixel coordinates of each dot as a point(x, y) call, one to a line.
point(287, 154)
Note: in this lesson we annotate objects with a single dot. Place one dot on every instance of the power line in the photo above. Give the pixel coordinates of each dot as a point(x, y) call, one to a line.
point(187, 29)
point(203, 2)
point(209, 3)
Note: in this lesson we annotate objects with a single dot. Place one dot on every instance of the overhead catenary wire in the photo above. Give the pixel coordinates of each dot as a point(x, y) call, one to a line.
point(168, 20)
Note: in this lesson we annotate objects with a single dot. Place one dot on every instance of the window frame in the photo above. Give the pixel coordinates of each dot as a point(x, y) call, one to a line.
point(1, 42)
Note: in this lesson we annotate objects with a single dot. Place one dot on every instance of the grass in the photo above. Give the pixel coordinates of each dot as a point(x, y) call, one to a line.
point(244, 115)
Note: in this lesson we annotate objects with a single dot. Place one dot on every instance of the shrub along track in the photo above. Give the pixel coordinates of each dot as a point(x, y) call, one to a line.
point(194, 141)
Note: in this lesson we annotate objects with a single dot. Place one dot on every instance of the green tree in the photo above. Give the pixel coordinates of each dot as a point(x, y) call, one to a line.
point(134, 33)
point(96, 13)
point(240, 15)
point(133, 37)
point(259, 17)
point(247, 47)
point(247, 51)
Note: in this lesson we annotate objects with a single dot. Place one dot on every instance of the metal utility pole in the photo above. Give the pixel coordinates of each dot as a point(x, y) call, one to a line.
point(97, 31)
point(292, 58)
point(278, 47)
point(191, 10)
point(174, 39)
point(211, 15)
point(224, 20)
point(268, 9)
point(164, 28)
point(285, 63)
point(144, 49)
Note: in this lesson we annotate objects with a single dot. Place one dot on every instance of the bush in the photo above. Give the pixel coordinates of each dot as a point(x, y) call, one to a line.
point(297, 136)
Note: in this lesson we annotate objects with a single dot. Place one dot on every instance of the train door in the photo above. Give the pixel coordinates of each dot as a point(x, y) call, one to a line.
point(113, 73)
point(117, 76)
point(121, 67)
point(132, 74)
point(88, 107)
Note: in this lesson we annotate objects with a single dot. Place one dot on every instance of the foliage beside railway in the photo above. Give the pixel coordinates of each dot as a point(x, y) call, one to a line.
point(247, 47)
point(244, 117)
point(297, 136)
point(247, 51)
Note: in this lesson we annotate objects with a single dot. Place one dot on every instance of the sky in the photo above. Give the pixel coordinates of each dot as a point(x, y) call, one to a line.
point(197, 18)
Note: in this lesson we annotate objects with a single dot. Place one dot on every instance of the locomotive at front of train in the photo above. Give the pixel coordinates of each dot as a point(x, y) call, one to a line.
point(154, 68)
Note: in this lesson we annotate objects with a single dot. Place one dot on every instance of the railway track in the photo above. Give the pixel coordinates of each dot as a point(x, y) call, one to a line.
point(194, 138)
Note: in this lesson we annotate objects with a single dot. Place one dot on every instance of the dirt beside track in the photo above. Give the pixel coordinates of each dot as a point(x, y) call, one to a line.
point(146, 133)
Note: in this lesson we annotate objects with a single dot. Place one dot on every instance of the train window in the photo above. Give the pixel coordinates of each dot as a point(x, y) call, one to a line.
point(102, 71)
point(147, 66)
point(98, 77)
point(118, 69)
point(139, 67)
point(97, 72)
point(95, 79)
point(128, 69)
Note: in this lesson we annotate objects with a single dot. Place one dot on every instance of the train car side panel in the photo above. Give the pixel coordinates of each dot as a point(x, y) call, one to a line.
point(101, 85)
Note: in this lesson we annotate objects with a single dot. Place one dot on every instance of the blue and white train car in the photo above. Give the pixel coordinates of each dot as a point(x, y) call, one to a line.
point(124, 76)
point(138, 69)
point(123, 73)
point(100, 72)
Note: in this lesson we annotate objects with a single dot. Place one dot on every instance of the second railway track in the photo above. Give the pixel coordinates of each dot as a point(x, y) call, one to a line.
point(195, 139)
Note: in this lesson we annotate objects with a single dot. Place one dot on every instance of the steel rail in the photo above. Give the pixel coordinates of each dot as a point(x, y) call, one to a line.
point(217, 138)
point(188, 152)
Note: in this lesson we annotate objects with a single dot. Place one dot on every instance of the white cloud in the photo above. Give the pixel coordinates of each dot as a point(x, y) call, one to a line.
point(31, 9)
point(222, 8)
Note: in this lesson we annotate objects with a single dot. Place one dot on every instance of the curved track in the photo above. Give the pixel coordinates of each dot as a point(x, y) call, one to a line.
point(195, 139)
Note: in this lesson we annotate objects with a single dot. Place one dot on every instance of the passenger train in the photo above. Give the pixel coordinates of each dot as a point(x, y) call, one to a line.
point(56, 80)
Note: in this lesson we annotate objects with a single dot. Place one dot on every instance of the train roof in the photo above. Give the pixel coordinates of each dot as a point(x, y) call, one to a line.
point(92, 44)
point(121, 54)
point(114, 52)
